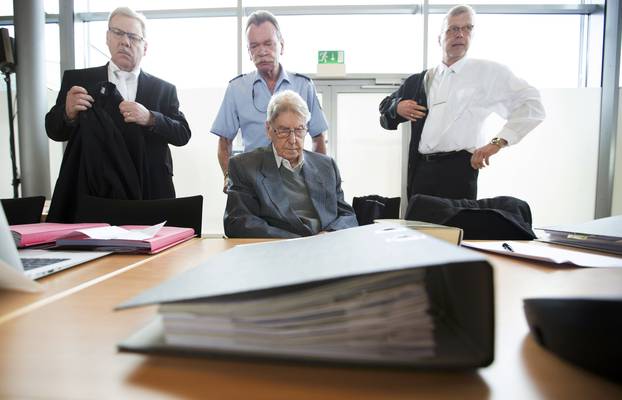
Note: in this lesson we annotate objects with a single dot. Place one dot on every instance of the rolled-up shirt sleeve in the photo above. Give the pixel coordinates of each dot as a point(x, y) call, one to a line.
point(227, 122)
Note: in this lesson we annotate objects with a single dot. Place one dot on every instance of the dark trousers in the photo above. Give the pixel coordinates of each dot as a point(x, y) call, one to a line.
point(448, 175)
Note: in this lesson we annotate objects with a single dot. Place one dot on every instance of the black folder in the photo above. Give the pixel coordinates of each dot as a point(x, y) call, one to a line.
point(604, 234)
point(458, 282)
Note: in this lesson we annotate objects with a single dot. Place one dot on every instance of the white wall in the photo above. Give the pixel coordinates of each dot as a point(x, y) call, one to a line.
point(195, 165)
point(616, 208)
point(554, 167)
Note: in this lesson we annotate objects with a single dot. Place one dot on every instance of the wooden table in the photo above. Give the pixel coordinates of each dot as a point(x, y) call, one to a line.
point(66, 349)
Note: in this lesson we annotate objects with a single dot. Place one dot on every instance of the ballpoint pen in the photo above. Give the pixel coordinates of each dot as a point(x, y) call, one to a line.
point(508, 247)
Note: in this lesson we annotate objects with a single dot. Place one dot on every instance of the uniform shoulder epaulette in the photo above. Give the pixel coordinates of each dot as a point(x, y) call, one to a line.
point(239, 76)
point(302, 76)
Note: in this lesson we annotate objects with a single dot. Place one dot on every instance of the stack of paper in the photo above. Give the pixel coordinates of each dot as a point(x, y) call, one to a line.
point(450, 234)
point(383, 316)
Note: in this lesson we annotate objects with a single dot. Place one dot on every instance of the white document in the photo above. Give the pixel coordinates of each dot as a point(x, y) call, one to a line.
point(552, 254)
point(116, 232)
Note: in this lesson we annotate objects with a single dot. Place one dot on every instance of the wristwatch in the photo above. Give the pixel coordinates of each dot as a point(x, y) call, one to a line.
point(499, 142)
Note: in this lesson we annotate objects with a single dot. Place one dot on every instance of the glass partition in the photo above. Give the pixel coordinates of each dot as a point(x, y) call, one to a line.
point(370, 42)
point(369, 157)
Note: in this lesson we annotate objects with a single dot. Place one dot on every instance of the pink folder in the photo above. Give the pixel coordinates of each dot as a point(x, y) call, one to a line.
point(166, 237)
point(45, 232)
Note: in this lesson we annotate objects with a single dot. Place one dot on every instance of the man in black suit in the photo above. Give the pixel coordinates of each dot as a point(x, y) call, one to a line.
point(147, 113)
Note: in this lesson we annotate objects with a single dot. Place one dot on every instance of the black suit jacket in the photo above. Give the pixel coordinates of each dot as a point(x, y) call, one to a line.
point(156, 95)
point(413, 88)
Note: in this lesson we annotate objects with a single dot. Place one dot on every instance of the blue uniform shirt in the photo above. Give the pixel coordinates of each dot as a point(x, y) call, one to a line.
point(246, 102)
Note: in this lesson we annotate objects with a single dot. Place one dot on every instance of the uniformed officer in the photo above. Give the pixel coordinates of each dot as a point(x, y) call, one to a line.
point(246, 99)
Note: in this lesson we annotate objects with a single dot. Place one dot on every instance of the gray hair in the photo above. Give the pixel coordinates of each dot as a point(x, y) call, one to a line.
point(128, 12)
point(287, 101)
point(457, 10)
point(259, 17)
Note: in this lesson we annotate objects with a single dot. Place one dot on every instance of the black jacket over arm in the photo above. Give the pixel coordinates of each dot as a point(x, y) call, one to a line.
point(154, 94)
point(147, 148)
point(101, 159)
point(413, 88)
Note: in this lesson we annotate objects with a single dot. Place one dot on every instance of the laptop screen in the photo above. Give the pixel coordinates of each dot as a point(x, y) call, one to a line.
point(11, 270)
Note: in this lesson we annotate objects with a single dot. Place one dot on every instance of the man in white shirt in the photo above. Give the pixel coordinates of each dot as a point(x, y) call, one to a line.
point(447, 106)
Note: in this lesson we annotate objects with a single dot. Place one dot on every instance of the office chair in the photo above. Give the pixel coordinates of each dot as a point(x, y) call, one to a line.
point(186, 212)
point(369, 208)
point(23, 210)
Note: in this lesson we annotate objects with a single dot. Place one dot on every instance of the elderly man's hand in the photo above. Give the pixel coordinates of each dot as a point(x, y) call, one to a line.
point(133, 112)
point(481, 156)
point(77, 100)
point(410, 110)
point(225, 185)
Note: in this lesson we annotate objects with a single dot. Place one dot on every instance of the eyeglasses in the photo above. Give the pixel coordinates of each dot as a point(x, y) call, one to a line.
point(118, 33)
point(454, 30)
point(284, 133)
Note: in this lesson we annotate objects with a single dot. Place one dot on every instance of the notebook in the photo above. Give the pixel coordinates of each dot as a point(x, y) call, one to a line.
point(19, 269)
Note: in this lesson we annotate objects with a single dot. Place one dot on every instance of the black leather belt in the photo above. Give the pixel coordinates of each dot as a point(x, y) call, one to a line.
point(439, 156)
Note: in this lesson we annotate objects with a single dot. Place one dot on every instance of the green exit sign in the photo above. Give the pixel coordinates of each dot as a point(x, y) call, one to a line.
point(330, 57)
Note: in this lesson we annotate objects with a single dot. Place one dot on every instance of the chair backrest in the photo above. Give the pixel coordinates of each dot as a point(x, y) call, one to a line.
point(186, 212)
point(23, 210)
point(369, 208)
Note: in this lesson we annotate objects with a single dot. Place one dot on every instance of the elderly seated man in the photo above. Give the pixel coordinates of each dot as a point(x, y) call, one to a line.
point(282, 190)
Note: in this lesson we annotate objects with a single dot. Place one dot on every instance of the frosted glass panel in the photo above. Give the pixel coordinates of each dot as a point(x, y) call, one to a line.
point(142, 5)
point(185, 66)
point(362, 37)
point(368, 156)
point(263, 3)
point(554, 167)
point(616, 208)
point(196, 167)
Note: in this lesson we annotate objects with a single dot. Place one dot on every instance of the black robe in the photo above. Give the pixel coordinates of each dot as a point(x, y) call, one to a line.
point(104, 158)
point(148, 148)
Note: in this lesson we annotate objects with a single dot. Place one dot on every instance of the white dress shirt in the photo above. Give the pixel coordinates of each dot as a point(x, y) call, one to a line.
point(282, 161)
point(126, 82)
point(463, 95)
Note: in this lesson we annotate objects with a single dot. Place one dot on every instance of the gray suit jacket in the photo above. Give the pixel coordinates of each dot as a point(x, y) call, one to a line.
point(257, 205)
